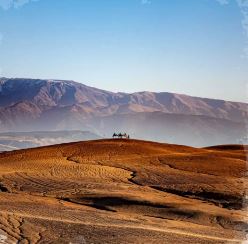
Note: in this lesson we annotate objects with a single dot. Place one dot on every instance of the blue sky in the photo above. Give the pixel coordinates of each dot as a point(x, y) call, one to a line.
point(194, 47)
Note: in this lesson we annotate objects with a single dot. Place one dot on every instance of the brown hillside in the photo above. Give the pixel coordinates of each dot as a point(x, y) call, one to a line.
point(123, 191)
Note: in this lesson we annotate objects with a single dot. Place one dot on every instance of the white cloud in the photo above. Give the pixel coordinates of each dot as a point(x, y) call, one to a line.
point(1, 38)
point(223, 2)
point(146, 2)
point(243, 6)
point(7, 4)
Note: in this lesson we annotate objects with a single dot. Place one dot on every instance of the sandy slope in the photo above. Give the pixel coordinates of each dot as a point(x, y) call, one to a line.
point(123, 191)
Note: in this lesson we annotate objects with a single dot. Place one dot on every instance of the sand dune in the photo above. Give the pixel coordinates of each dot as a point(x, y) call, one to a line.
point(123, 191)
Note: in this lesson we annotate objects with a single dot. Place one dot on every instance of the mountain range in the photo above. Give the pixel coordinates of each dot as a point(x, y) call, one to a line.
point(50, 105)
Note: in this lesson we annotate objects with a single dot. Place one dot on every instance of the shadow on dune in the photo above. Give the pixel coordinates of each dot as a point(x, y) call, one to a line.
point(155, 210)
point(220, 199)
point(105, 203)
point(146, 208)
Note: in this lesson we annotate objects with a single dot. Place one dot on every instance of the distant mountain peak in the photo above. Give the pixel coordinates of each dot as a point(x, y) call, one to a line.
point(66, 104)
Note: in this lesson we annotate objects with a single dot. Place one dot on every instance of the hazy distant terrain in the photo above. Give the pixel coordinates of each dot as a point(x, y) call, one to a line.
point(31, 105)
point(124, 191)
point(20, 140)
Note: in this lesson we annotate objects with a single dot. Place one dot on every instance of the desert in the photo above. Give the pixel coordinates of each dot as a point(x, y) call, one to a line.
point(123, 191)
point(123, 122)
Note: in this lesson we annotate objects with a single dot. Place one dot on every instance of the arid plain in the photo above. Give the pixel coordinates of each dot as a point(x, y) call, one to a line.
point(123, 191)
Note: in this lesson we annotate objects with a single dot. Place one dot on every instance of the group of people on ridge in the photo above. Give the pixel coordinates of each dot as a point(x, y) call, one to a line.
point(120, 135)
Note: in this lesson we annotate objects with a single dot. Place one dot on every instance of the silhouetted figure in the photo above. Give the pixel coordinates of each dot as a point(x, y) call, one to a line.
point(120, 135)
